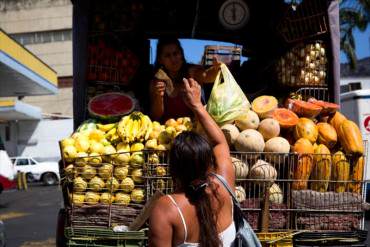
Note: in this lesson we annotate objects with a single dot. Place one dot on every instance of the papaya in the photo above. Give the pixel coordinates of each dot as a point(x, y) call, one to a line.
point(322, 168)
point(350, 137)
point(336, 120)
point(327, 107)
point(285, 117)
point(326, 135)
point(304, 109)
point(306, 128)
point(264, 106)
point(340, 171)
point(357, 175)
point(303, 168)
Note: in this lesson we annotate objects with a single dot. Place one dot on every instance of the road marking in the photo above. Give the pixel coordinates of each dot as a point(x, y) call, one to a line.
point(12, 215)
point(44, 243)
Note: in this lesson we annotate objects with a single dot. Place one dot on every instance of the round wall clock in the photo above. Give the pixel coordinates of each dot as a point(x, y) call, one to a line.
point(234, 14)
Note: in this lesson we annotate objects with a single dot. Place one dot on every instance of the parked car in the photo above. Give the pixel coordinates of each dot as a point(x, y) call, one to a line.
point(46, 172)
point(7, 172)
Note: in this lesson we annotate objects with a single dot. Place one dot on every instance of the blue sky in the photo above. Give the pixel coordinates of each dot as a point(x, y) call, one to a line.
point(362, 40)
point(194, 48)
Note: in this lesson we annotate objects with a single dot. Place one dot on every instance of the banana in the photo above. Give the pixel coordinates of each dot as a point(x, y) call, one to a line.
point(110, 133)
point(121, 127)
point(128, 130)
point(106, 127)
point(143, 127)
point(115, 139)
point(135, 129)
point(149, 128)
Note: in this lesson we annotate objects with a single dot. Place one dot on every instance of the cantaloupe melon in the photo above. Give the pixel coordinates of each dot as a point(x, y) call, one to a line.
point(248, 121)
point(264, 106)
point(249, 141)
point(231, 132)
point(269, 128)
point(277, 145)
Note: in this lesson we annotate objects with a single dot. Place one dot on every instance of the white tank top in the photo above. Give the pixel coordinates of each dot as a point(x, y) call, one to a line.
point(227, 236)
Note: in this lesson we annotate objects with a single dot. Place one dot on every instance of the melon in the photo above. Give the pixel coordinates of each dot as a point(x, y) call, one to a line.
point(110, 107)
point(249, 141)
point(240, 167)
point(248, 121)
point(269, 128)
point(277, 145)
point(262, 170)
point(285, 117)
point(231, 132)
point(276, 195)
point(264, 106)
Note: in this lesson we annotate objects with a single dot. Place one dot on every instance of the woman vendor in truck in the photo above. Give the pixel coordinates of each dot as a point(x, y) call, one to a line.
point(166, 87)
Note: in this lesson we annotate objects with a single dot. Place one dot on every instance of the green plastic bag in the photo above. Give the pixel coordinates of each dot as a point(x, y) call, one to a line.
point(227, 101)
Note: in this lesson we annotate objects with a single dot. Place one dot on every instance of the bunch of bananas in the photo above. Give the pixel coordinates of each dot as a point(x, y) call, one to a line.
point(135, 127)
point(111, 133)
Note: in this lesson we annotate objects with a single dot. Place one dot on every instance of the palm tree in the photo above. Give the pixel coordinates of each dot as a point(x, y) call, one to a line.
point(353, 14)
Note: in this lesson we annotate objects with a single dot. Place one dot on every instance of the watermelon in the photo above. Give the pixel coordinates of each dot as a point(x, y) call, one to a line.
point(110, 107)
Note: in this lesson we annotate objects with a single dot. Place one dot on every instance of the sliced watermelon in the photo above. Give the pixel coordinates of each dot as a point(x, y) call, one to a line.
point(110, 107)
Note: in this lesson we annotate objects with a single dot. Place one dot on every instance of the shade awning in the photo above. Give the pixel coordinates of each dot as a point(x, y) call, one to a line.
point(22, 73)
point(17, 110)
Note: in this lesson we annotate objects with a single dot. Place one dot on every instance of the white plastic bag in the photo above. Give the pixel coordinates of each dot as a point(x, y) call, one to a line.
point(227, 101)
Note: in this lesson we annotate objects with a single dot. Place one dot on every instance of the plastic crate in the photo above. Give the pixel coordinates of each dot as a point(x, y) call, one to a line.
point(98, 237)
point(276, 239)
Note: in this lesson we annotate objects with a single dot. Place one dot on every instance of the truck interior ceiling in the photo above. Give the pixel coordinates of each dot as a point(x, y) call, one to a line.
point(266, 31)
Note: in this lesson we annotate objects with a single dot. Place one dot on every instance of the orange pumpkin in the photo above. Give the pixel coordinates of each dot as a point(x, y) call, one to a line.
point(350, 137)
point(303, 168)
point(327, 135)
point(306, 128)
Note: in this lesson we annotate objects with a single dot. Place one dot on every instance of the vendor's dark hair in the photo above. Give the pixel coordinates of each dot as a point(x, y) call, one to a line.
point(162, 42)
point(191, 156)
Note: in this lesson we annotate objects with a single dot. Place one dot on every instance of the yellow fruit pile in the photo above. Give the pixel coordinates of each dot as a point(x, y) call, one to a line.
point(105, 162)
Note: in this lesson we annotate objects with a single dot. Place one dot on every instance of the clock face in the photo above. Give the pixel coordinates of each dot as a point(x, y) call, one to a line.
point(234, 14)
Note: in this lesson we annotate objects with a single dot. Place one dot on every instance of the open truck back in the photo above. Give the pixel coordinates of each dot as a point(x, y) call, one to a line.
point(111, 52)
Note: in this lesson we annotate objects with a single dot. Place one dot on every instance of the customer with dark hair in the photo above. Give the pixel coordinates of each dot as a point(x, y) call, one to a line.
point(165, 97)
point(199, 212)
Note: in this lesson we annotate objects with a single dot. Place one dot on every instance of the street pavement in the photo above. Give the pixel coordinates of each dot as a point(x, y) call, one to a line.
point(30, 216)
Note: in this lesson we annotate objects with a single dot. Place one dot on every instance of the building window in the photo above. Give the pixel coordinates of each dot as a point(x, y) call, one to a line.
point(43, 37)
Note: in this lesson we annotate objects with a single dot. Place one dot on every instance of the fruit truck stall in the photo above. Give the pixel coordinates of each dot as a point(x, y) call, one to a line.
point(290, 76)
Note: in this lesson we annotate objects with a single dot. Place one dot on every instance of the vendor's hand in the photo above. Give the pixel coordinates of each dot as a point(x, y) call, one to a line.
point(192, 93)
point(158, 88)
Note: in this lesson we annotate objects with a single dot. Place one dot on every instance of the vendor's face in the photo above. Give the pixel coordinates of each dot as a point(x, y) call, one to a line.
point(171, 58)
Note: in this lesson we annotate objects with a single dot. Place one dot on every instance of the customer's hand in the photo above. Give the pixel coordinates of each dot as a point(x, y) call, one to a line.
point(192, 93)
point(158, 88)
